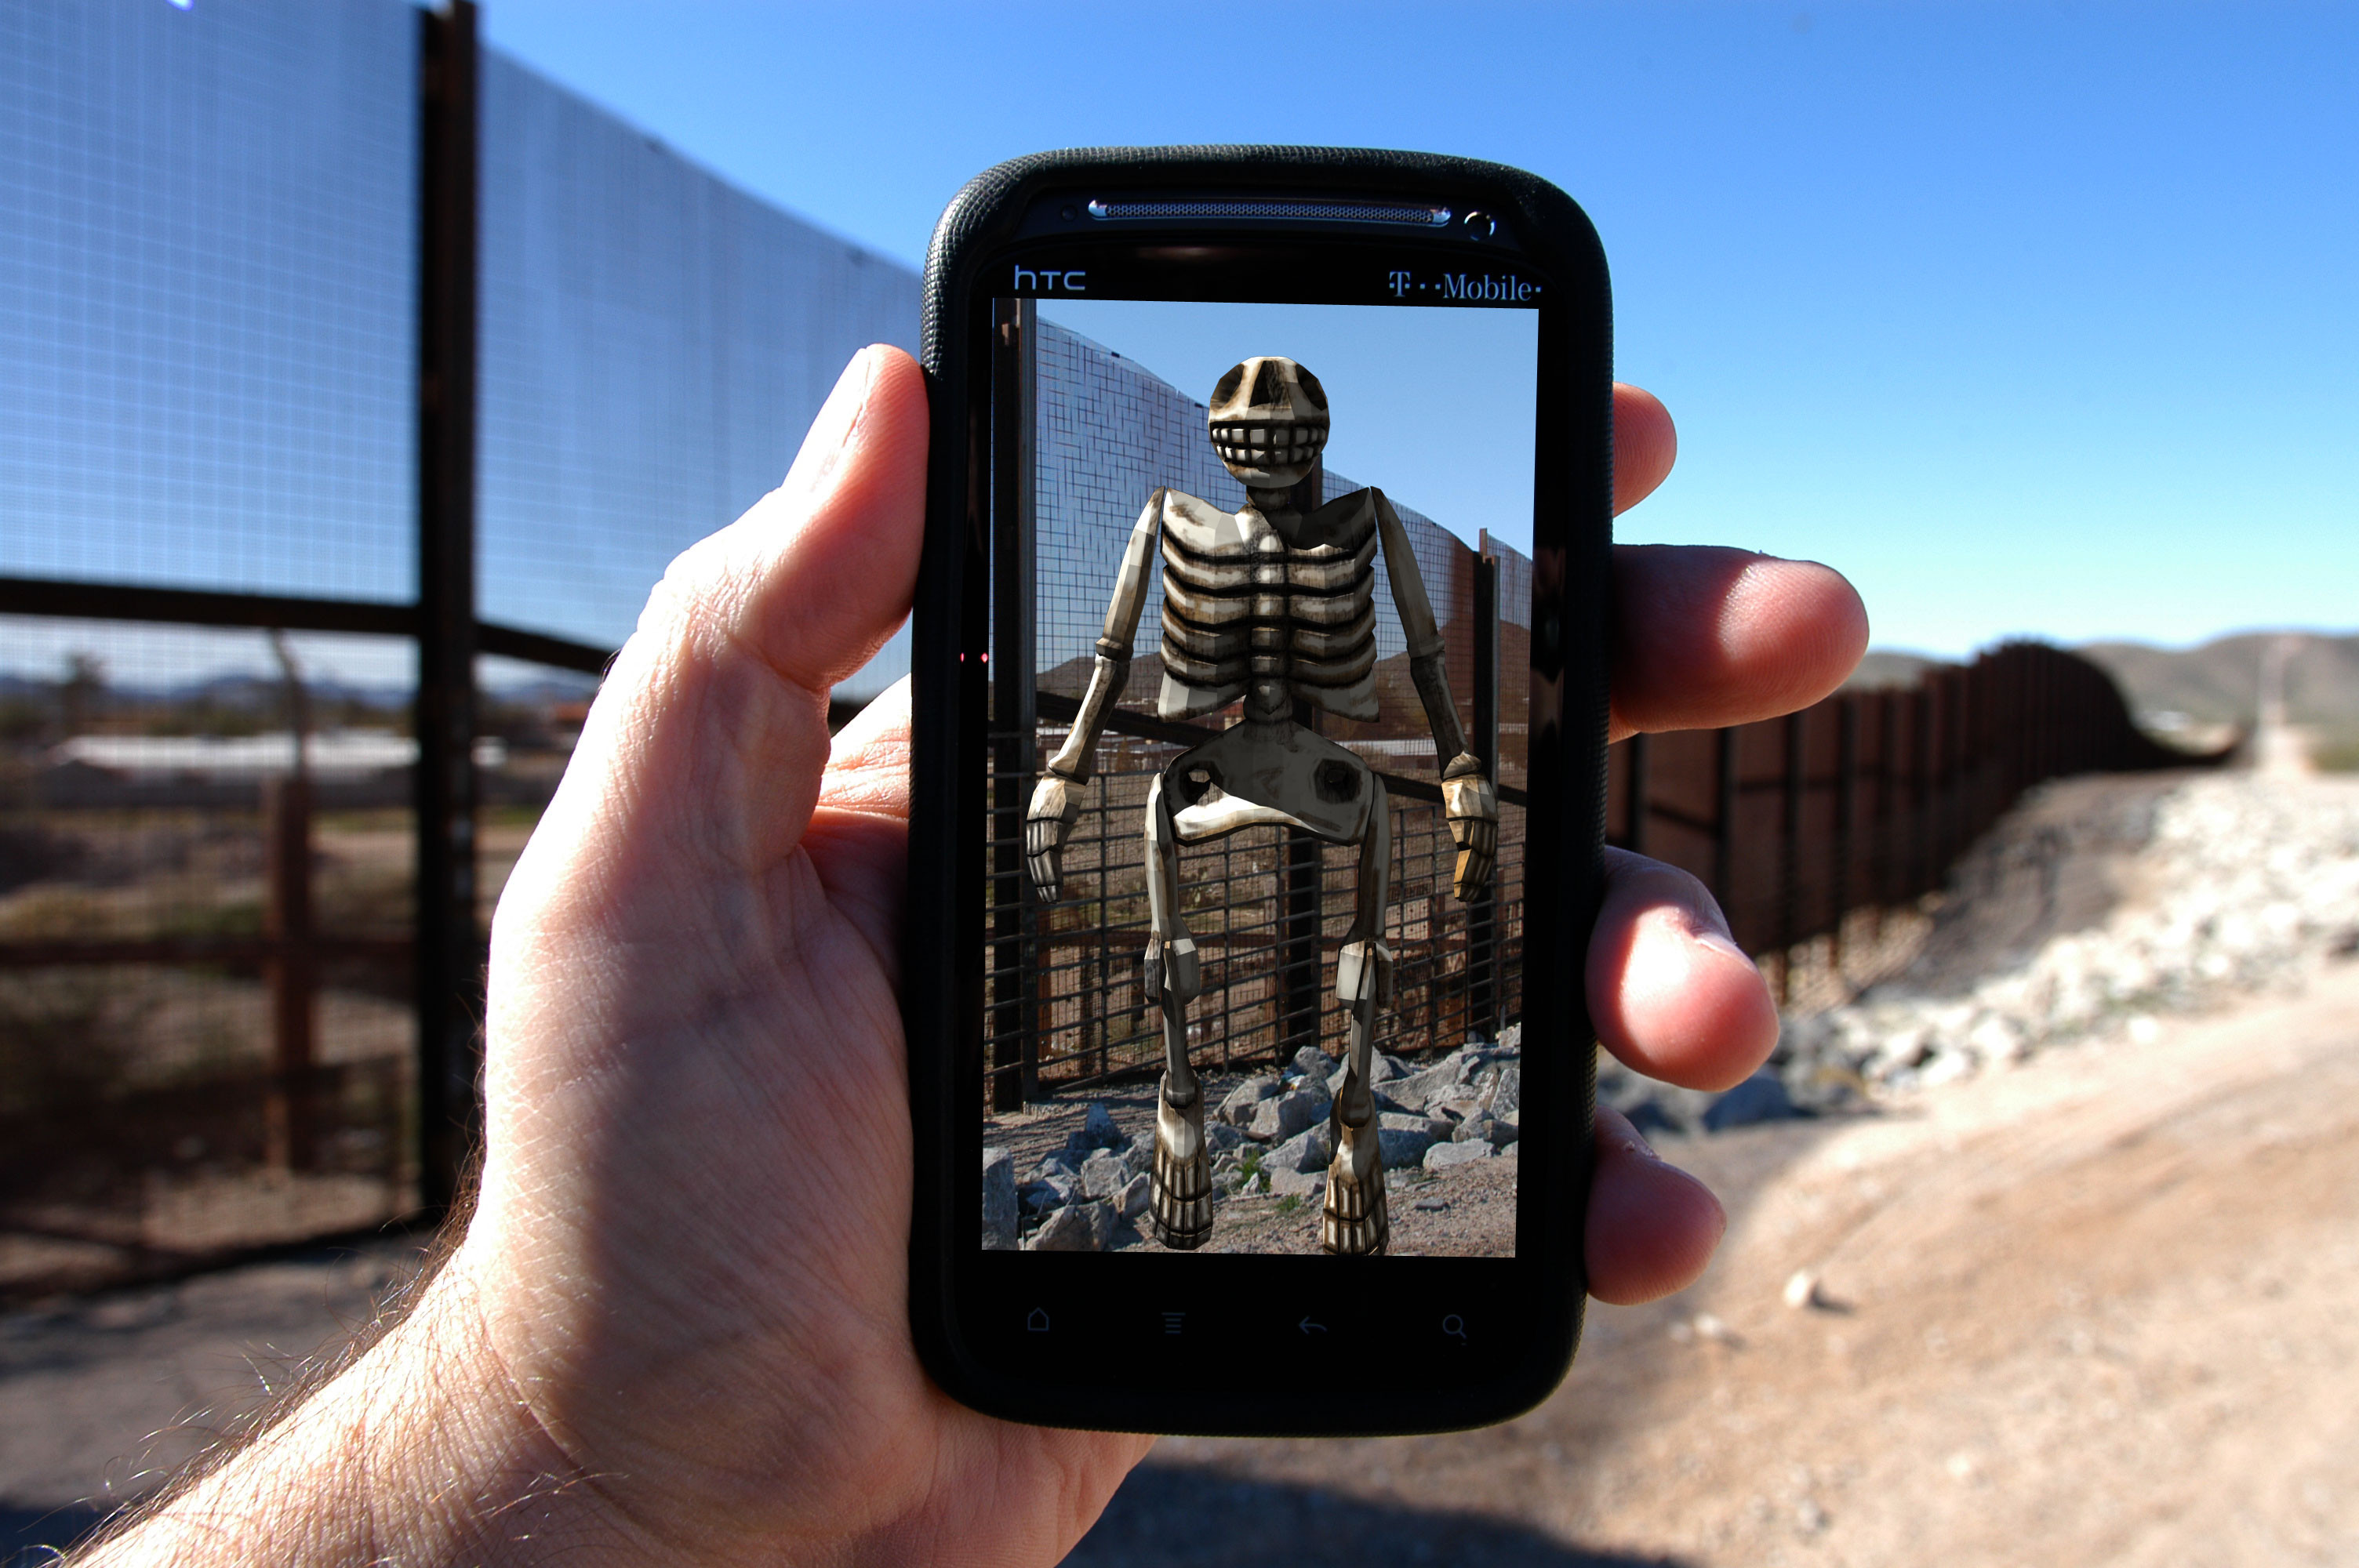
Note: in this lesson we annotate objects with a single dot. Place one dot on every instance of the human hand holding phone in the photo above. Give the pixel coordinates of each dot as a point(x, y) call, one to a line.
point(677, 1328)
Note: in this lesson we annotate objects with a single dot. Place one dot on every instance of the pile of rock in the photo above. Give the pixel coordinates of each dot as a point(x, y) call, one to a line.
point(1080, 1196)
point(2245, 883)
point(1272, 1130)
point(1269, 1135)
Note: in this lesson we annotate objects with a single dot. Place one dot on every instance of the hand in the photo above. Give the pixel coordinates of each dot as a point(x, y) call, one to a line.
point(1472, 808)
point(1056, 802)
point(676, 1330)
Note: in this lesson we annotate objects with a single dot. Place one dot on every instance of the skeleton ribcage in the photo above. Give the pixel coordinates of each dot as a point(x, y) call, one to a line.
point(1237, 610)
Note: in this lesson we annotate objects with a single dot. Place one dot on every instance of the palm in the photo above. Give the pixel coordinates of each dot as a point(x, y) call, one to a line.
point(717, 1015)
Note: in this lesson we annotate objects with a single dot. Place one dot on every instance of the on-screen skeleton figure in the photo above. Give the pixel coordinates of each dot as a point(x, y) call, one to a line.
point(1268, 604)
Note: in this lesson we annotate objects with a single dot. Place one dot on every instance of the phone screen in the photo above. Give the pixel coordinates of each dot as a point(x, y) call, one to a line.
point(1261, 612)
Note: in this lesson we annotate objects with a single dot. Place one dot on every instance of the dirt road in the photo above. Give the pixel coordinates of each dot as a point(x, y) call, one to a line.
point(2094, 1310)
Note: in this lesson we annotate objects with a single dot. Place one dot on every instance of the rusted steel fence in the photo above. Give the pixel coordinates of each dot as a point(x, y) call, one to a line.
point(1864, 800)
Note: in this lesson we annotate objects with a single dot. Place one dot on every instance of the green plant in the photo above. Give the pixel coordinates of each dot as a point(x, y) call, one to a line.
point(1289, 1204)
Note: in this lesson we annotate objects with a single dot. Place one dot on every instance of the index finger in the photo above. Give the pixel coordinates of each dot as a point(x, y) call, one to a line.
point(1705, 636)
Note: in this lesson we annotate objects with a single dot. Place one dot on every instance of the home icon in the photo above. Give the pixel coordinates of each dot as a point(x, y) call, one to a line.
point(1038, 1321)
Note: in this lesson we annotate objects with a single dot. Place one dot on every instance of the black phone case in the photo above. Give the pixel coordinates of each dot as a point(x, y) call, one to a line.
point(943, 982)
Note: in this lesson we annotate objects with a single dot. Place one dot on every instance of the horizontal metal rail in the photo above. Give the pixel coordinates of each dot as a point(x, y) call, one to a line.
point(202, 607)
point(231, 950)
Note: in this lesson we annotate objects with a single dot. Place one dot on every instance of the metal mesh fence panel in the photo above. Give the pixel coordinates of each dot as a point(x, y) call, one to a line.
point(1110, 432)
point(207, 295)
point(1086, 1009)
point(205, 1005)
point(654, 342)
point(1069, 1000)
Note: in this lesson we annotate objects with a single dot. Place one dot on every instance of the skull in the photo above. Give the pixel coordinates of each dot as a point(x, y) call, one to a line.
point(1269, 422)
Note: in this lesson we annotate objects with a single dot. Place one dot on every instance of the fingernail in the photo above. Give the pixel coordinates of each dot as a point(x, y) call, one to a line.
point(839, 417)
point(1720, 941)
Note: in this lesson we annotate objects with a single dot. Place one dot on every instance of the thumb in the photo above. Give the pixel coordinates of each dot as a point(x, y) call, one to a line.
point(814, 577)
point(707, 744)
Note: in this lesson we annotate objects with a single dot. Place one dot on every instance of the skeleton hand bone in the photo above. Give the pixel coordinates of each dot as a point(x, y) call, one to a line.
point(1056, 802)
point(1471, 806)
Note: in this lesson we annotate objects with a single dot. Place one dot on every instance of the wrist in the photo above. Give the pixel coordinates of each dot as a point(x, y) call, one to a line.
point(420, 1451)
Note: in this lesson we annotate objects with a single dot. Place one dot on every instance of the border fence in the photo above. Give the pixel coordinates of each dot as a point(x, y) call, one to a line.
point(324, 333)
point(1864, 800)
point(361, 381)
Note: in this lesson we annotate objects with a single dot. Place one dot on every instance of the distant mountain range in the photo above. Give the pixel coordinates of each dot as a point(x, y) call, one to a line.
point(2218, 682)
point(265, 692)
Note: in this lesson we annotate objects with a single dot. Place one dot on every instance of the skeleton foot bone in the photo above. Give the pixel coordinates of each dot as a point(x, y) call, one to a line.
point(1353, 1223)
point(1182, 1210)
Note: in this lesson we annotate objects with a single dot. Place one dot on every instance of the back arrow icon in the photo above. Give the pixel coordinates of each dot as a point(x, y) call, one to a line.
point(1309, 1327)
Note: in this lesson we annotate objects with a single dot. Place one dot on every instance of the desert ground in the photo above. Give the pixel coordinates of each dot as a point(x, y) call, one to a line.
point(2085, 1299)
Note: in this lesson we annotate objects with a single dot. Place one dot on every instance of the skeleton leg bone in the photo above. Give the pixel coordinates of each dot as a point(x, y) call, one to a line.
point(1354, 1221)
point(1181, 1210)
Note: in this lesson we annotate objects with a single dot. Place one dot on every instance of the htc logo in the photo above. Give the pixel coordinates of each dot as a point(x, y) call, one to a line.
point(1049, 280)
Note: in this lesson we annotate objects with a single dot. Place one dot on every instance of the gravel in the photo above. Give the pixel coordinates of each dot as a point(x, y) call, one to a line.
point(2242, 884)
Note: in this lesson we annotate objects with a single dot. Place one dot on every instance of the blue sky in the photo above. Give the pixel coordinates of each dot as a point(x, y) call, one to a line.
point(1465, 461)
point(2036, 320)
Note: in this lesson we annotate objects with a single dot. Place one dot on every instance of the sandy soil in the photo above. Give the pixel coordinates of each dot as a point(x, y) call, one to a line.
point(2094, 1310)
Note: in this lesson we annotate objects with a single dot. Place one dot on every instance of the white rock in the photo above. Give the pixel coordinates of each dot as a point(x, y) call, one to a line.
point(1275, 1120)
point(1298, 1183)
point(1104, 1174)
point(1442, 1156)
point(1239, 1108)
point(999, 1212)
point(1076, 1227)
point(1309, 1150)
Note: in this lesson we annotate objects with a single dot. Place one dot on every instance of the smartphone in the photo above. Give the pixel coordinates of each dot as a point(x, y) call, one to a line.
point(1259, 663)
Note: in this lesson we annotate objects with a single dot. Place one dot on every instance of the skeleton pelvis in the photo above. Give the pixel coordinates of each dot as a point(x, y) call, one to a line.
point(1252, 775)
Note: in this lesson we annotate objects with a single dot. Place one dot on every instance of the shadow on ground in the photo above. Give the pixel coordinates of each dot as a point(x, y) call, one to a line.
point(1169, 1517)
point(34, 1536)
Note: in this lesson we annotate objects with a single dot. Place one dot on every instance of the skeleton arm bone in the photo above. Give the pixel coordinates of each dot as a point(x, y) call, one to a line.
point(1470, 802)
point(1057, 799)
point(1425, 647)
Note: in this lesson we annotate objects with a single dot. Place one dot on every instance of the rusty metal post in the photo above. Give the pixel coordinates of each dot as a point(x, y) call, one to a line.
point(1301, 967)
point(450, 954)
point(1482, 915)
point(1633, 803)
point(1847, 812)
point(1879, 866)
point(1724, 824)
point(1793, 784)
point(291, 970)
point(1920, 789)
point(1015, 912)
point(1301, 914)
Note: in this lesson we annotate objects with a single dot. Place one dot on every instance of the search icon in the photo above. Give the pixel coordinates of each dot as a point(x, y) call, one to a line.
point(1455, 1327)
